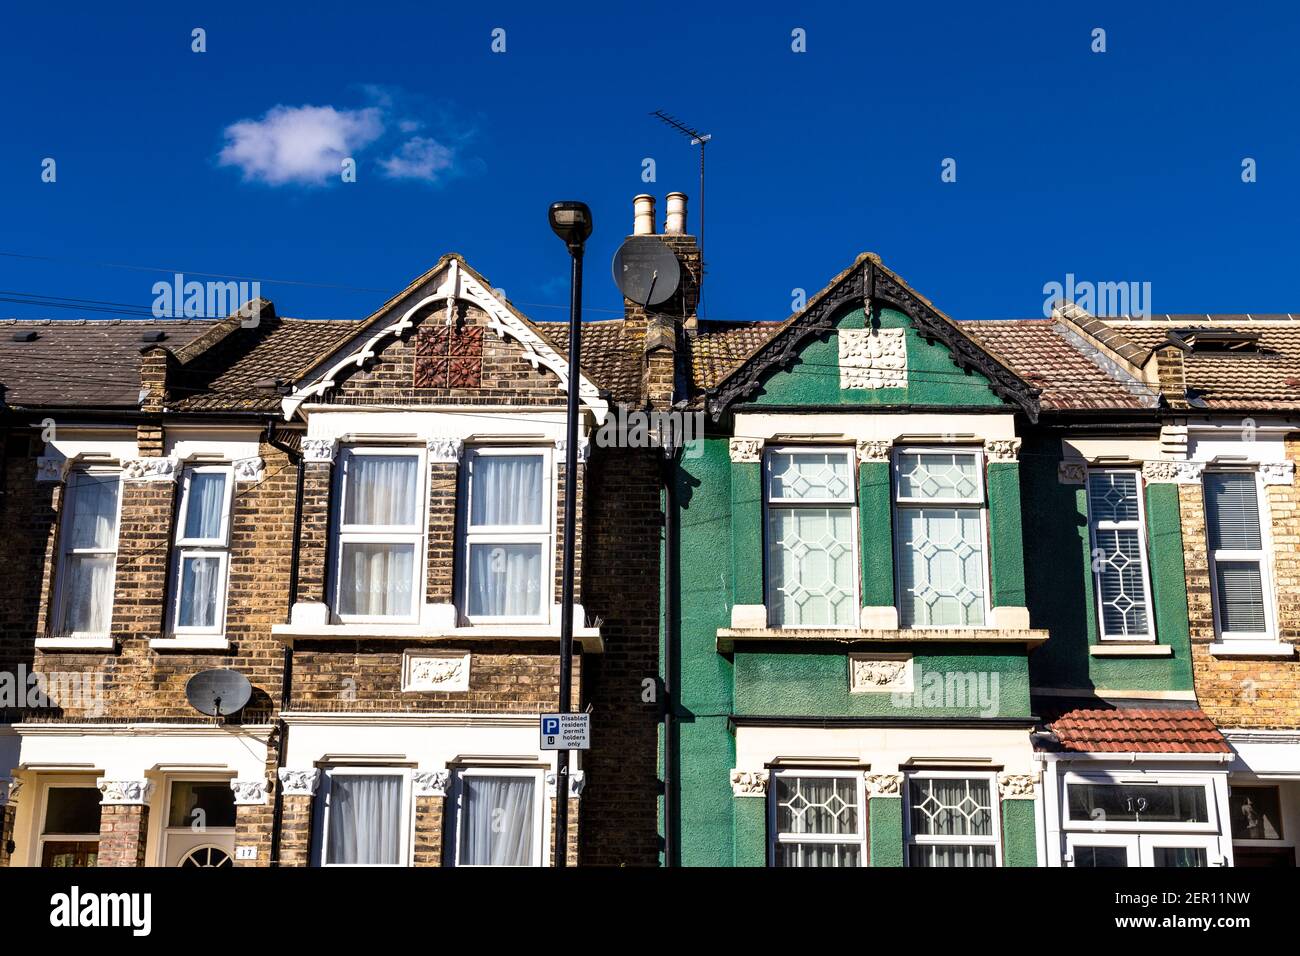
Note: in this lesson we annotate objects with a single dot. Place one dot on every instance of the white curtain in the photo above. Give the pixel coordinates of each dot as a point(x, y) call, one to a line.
point(505, 580)
point(200, 587)
point(88, 588)
point(375, 579)
point(365, 819)
point(506, 490)
point(205, 503)
point(381, 490)
point(497, 820)
point(94, 512)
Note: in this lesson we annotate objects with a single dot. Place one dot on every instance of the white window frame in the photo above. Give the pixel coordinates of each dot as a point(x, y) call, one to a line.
point(541, 812)
point(1095, 525)
point(979, 501)
point(770, 596)
point(911, 838)
point(406, 825)
point(776, 837)
point(218, 548)
point(1149, 842)
point(1120, 779)
point(542, 534)
point(1262, 557)
point(65, 551)
point(1126, 841)
point(415, 535)
point(41, 838)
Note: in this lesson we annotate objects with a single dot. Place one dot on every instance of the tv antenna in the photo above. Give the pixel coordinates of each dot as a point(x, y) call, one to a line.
point(697, 139)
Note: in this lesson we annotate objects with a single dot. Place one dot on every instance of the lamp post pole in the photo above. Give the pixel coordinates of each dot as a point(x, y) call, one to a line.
point(571, 221)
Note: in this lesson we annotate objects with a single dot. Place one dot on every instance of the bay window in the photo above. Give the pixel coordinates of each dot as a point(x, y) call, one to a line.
point(817, 819)
point(952, 820)
point(1121, 820)
point(1119, 554)
point(364, 818)
point(88, 552)
point(1238, 556)
point(506, 515)
point(812, 573)
point(499, 817)
point(940, 537)
point(379, 534)
point(202, 552)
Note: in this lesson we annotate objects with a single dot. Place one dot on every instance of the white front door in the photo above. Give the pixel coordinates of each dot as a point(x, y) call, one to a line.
point(199, 829)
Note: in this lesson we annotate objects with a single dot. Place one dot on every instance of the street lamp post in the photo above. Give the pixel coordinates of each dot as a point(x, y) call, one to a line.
point(571, 221)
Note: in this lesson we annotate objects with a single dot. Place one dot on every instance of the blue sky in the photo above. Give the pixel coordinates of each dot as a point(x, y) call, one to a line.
point(1115, 166)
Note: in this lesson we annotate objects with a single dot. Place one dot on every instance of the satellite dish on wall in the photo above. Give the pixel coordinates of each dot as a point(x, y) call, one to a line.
point(646, 270)
point(218, 693)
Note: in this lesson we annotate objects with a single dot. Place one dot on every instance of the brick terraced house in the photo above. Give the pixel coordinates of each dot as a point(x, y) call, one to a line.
point(923, 592)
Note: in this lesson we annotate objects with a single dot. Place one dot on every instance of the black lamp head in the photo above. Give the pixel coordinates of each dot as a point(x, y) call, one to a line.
point(571, 221)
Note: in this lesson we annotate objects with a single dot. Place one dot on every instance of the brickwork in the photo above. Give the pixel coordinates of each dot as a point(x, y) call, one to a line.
point(7, 814)
point(123, 832)
point(443, 479)
point(428, 830)
point(253, 828)
point(574, 835)
point(313, 531)
point(1246, 692)
point(295, 831)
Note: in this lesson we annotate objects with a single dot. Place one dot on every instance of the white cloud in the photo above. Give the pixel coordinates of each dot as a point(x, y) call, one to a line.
point(299, 144)
point(419, 158)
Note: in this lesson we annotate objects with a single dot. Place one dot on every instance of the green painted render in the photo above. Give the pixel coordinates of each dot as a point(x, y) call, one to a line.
point(885, 834)
point(875, 521)
point(952, 680)
point(1007, 559)
point(751, 831)
point(1059, 581)
point(1019, 839)
point(746, 531)
point(932, 376)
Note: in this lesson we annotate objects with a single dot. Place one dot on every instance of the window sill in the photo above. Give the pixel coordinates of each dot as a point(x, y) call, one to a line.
point(76, 644)
point(1252, 649)
point(729, 637)
point(189, 644)
point(588, 637)
point(1130, 650)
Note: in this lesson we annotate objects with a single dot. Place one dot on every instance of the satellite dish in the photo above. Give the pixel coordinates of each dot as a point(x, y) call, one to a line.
point(646, 270)
point(218, 693)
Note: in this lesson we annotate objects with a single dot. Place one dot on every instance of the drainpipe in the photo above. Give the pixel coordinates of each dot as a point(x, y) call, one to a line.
point(669, 472)
point(286, 671)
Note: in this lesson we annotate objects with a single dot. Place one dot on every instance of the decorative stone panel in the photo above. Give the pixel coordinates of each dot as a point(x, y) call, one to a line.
point(577, 780)
point(1162, 471)
point(873, 450)
point(319, 449)
point(1277, 472)
point(125, 793)
point(49, 468)
point(250, 793)
point(150, 469)
point(1002, 449)
point(445, 450)
point(250, 469)
point(1072, 472)
point(435, 671)
point(1017, 786)
point(299, 783)
point(431, 783)
point(884, 784)
point(873, 358)
point(746, 449)
point(880, 673)
point(749, 783)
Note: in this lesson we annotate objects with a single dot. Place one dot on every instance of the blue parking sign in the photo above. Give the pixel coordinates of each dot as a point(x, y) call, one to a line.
point(551, 726)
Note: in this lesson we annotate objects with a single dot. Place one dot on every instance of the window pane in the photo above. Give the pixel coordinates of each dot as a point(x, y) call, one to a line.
point(496, 828)
point(1180, 856)
point(1232, 511)
point(1099, 856)
point(381, 490)
point(87, 593)
point(951, 855)
point(375, 579)
point(813, 475)
point(1113, 496)
point(1121, 576)
point(1256, 813)
point(951, 807)
point(201, 805)
point(505, 580)
point(827, 805)
point(506, 490)
point(1136, 803)
point(365, 819)
point(941, 567)
point(943, 475)
point(1240, 587)
point(93, 500)
point(205, 504)
point(818, 854)
point(201, 588)
point(810, 566)
point(72, 810)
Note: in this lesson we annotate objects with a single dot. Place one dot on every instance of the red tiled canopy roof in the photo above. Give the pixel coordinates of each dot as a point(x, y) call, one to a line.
point(1137, 731)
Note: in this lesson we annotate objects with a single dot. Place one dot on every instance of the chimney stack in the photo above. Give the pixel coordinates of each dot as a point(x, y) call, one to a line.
point(675, 221)
point(643, 215)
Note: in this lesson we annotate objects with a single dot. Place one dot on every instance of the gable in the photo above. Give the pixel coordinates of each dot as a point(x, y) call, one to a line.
point(446, 338)
point(869, 339)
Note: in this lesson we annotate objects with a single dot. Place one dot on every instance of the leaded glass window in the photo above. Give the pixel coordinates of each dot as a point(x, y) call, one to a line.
point(952, 821)
point(1119, 560)
point(818, 820)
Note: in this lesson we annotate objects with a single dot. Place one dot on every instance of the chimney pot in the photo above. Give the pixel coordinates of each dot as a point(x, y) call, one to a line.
point(675, 220)
point(643, 215)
